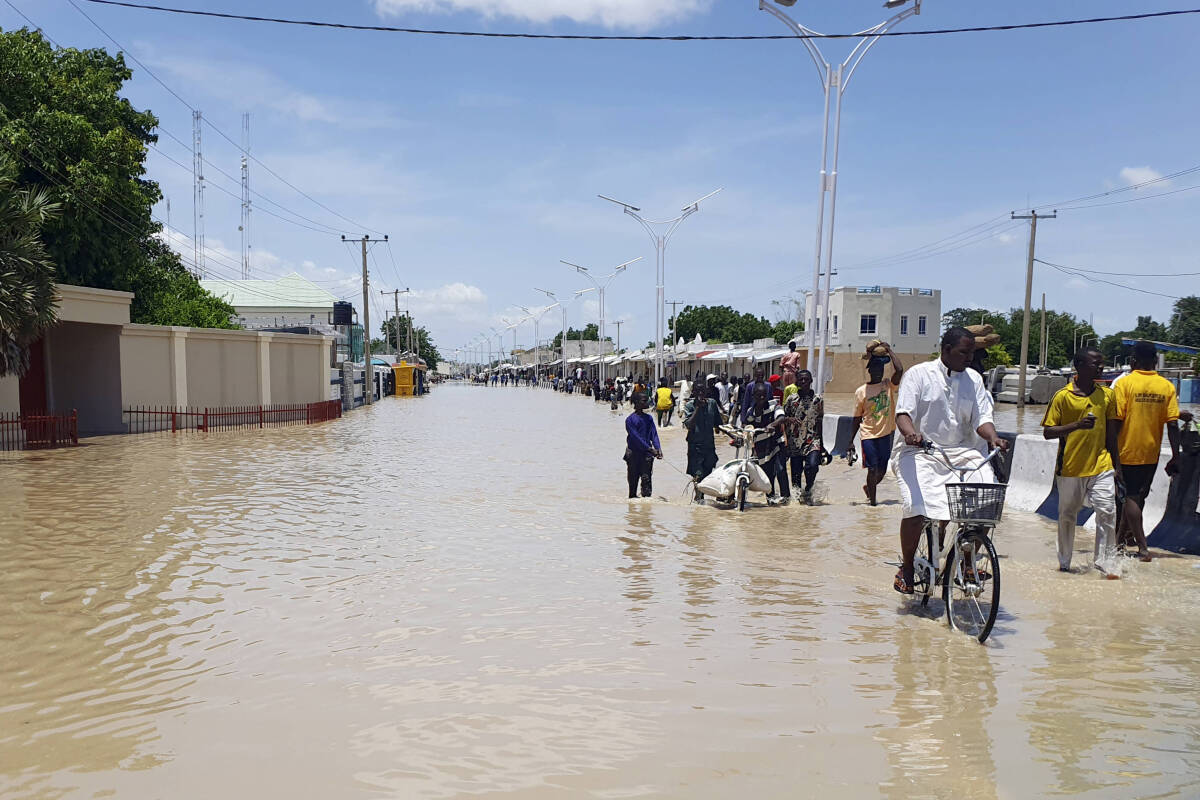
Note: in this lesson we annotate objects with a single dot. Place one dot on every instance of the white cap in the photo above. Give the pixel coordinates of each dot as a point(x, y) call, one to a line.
point(710, 377)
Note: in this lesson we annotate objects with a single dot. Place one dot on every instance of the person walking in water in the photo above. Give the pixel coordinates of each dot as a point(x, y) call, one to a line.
point(1081, 416)
point(769, 443)
point(875, 417)
point(664, 402)
point(804, 414)
point(701, 416)
point(641, 447)
point(1145, 402)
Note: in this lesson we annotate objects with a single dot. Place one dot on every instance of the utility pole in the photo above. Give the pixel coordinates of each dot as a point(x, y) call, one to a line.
point(197, 195)
point(368, 379)
point(244, 228)
point(1033, 218)
point(395, 293)
point(619, 323)
point(674, 333)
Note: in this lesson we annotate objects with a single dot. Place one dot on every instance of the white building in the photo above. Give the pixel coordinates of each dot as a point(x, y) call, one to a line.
point(289, 301)
point(909, 319)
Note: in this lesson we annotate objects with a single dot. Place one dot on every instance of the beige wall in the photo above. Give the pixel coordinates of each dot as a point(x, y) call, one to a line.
point(10, 393)
point(82, 360)
point(205, 367)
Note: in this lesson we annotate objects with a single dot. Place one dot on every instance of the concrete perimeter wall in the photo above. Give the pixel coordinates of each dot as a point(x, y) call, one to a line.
point(198, 367)
point(1030, 467)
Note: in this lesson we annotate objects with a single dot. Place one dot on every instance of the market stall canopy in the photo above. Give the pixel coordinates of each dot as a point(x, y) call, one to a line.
point(770, 355)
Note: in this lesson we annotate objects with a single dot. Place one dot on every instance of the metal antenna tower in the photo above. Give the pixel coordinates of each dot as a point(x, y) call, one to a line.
point(197, 195)
point(245, 226)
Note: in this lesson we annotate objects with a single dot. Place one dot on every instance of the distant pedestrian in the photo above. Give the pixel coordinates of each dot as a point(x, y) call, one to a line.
point(641, 447)
point(664, 402)
point(749, 390)
point(1145, 402)
point(875, 418)
point(1082, 416)
point(790, 364)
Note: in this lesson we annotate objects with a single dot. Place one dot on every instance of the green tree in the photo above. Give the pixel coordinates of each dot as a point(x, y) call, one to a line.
point(426, 349)
point(1064, 330)
point(63, 120)
point(720, 324)
point(27, 305)
point(1185, 322)
point(786, 330)
point(590, 333)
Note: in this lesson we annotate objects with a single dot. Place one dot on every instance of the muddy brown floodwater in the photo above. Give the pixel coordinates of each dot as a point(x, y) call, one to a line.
point(450, 595)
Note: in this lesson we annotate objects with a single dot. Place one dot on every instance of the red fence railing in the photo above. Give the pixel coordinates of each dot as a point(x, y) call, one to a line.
point(38, 431)
point(161, 419)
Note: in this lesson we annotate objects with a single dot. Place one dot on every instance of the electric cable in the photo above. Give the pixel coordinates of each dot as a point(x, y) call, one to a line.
point(623, 38)
point(1068, 271)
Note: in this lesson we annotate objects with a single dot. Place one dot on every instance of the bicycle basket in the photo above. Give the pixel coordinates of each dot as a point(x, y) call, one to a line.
point(980, 503)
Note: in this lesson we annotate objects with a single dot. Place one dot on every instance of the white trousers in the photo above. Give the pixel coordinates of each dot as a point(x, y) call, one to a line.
point(1100, 493)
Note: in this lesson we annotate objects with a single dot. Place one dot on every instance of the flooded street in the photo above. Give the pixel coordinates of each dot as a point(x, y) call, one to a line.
point(450, 595)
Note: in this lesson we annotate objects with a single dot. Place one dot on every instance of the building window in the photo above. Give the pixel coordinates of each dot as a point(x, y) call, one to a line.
point(866, 324)
point(835, 324)
point(817, 325)
point(921, 325)
point(904, 325)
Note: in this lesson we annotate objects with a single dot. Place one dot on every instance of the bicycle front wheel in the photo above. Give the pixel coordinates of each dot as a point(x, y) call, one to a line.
point(971, 585)
point(742, 488)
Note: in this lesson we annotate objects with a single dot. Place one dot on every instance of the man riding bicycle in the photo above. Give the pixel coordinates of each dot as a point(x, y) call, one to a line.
point(947, 403)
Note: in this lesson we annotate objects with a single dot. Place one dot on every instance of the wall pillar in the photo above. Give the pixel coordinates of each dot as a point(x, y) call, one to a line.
point(179, 391)
point(264, 369)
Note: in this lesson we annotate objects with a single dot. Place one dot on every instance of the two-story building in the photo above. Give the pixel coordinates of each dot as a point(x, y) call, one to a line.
point(907, 318)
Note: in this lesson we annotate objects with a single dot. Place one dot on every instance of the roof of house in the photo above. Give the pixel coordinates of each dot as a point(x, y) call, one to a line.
point(291, 291)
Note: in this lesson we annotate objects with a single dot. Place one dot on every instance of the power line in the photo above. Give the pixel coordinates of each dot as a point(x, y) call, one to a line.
point(1121, 274)
point(1073, 273)
point(219, 132)
point(1131, 199)
point(619, 38)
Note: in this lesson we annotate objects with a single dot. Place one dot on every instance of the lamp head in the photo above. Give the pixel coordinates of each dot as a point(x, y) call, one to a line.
point(894, 3)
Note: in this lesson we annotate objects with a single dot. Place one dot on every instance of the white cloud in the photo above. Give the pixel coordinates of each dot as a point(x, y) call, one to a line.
point(638, 14)
point(456, 300)
point(1076, 283)
point(1133, 176)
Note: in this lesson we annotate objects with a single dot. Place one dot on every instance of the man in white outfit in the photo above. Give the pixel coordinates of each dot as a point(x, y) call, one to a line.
point(945, 402)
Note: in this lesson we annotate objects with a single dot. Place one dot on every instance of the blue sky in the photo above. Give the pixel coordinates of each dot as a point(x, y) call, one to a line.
point(482, 158)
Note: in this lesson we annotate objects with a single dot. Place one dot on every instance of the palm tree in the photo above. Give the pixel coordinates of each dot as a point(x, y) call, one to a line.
point(27, 298)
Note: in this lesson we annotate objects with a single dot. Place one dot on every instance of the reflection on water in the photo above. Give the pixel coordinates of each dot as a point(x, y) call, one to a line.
point(409, 603)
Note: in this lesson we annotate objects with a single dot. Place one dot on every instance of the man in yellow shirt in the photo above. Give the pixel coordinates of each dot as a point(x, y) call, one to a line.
point(1145, 402)
point(1083, 417)
point(664, 402)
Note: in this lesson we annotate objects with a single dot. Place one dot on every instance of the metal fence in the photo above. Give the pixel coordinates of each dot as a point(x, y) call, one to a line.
point(163, 419)
point(38, 431)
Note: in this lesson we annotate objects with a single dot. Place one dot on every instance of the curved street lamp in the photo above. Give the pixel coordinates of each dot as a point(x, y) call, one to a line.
point(600, 284)
point(833, 83)
point(660, 240)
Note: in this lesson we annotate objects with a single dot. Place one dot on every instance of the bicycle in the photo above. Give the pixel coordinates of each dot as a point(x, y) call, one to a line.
point(748, 474)
point(970, 581)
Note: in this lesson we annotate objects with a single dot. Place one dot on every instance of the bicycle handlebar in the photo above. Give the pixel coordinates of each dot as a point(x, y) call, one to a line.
point(930, 446)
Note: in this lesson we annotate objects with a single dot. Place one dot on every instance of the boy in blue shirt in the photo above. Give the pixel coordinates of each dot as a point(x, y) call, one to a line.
point(641, 446)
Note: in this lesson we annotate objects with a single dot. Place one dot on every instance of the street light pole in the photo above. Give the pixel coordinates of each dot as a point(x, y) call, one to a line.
point(601, 284)
point(834, 79)
point(660, 249)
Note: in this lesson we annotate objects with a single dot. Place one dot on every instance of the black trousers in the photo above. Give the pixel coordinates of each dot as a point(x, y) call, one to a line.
point(809, 465)
point(639, 468)
point(777, 474)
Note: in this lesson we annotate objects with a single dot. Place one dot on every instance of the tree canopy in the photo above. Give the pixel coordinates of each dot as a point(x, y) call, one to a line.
point(426, 349)
point(1066, 331)
point(720, 324)
point(64, 123)
point(26, 273)
point(590, 333)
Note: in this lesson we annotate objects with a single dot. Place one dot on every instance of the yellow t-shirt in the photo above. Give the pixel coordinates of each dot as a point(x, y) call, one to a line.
point(663, 393)
point(1145, 402)
point(1082, 453)
point(877, 407)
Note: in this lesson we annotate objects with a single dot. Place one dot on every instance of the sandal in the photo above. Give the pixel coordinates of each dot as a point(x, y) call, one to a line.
point(902, 586)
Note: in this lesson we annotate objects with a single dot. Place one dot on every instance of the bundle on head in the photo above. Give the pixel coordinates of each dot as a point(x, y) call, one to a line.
point(875, 348)
point(983, 342)
point(980, 330)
